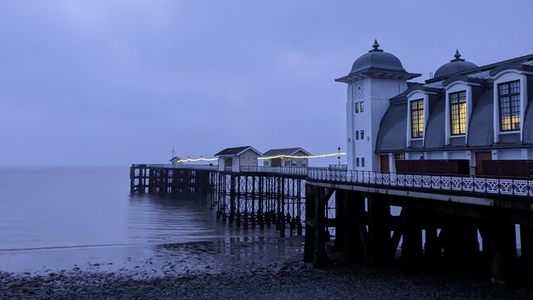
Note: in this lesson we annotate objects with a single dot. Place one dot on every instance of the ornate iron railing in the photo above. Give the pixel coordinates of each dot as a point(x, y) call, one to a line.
point(181, 166)
point(302, 171)
point(522, 186)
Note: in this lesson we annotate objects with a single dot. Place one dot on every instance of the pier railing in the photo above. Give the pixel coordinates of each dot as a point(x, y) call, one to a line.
point(302, 171)
point(522, 186)
point(180, 166)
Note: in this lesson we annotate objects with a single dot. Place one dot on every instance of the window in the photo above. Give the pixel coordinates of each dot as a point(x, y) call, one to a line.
point(362, 134)
point(362, 162)
point(357, 162)
point(362, 107)
point(357, 135)
point(417, 119)
point(509, 98)
point(356, 107)
point(399, 156)
point(458, 113)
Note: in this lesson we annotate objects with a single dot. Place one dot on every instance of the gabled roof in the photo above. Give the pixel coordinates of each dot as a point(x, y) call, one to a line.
point(236, 151)
point(286, 151)
point(175, 158)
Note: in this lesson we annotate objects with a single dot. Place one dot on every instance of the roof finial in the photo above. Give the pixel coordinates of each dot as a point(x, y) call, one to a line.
point(457, 56)
point(375, 46)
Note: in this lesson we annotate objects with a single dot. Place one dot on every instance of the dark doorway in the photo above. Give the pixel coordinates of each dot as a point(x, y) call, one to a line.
point(384, 159)
point(480, 157)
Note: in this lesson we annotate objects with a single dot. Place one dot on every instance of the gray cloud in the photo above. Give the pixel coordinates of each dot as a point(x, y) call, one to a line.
point(121, 82)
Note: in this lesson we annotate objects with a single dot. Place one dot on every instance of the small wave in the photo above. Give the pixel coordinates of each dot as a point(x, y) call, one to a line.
point(60, 247)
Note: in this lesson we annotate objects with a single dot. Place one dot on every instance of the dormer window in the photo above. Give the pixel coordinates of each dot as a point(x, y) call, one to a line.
point(417, 119)
point(509, 105)
point(458, 113)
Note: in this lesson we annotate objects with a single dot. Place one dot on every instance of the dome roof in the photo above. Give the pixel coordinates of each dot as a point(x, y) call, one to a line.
point(455, 65)
point(377, 59)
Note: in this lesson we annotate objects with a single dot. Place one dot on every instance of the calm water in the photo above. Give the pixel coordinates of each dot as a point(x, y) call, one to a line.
point(60, 218)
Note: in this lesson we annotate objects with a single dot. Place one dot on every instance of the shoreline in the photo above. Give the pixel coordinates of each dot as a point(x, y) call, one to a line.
point(274, 276)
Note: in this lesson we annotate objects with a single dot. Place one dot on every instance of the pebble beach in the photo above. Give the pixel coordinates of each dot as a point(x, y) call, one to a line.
point(244, 273)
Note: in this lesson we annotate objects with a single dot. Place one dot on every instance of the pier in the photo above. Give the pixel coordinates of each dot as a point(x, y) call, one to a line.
point(350, 212)
point(254, 197)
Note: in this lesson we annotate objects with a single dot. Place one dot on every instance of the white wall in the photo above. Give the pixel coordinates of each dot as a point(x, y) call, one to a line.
point(248, 159)
point(375, 94)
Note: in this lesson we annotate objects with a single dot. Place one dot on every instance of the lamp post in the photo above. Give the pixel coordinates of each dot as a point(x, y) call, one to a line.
point(339, 155)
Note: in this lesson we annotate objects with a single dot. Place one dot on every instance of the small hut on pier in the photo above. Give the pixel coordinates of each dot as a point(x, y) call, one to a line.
point(232, 159)
point(285, 157)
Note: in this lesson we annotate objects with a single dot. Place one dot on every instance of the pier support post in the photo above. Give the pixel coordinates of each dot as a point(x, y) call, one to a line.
point(232, 200)
point(526, 242)
point(502, 251)
point(353, 247)
point(460, 240)
point(379, 231)
point(309, 247)
point(340, 218)
point(321, 257)
point(432, 246)
point(412, 240)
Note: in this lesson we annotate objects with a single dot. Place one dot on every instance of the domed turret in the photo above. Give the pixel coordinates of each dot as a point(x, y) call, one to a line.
point(377, 59)
point(454, 66)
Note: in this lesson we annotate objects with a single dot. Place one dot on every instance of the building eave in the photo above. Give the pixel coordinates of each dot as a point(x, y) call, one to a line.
point(377, 73)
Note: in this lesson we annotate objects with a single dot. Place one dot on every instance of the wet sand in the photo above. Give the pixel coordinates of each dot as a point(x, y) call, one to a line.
point(270, 268)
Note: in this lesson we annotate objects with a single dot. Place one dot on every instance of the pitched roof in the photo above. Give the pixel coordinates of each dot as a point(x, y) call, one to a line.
point(483, 72)
point(236, 151)
point(286, 151)
point(481, 121)
point(393, 129)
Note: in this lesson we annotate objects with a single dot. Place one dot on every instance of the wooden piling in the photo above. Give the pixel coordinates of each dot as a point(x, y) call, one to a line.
point(379, 231)
point(502, 250)
point(412, 240)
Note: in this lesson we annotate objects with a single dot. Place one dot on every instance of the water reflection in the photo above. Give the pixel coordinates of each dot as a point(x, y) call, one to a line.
point(90, 222)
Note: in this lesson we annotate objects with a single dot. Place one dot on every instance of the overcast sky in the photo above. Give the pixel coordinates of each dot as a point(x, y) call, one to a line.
point(122, 82)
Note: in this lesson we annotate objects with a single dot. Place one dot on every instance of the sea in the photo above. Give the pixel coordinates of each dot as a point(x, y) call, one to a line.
point(61, 219)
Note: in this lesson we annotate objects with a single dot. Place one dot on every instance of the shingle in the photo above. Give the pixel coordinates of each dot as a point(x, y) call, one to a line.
point(434, 136)
point(480, 128)
point(436, 85)
point(527, 133)
point(232, 151)
point(480, 75)
point(285, 151)
point(393, 129)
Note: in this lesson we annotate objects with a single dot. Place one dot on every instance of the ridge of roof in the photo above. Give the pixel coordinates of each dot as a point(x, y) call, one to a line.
point(235, 151)
point(286, 151)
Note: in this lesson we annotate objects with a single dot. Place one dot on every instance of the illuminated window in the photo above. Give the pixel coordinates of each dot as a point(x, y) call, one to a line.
point(458, 113)
point(356, 107)
point(509, 98)
point(357, 135)
point(362, 107)
point(417, 118)
point(357, 162)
